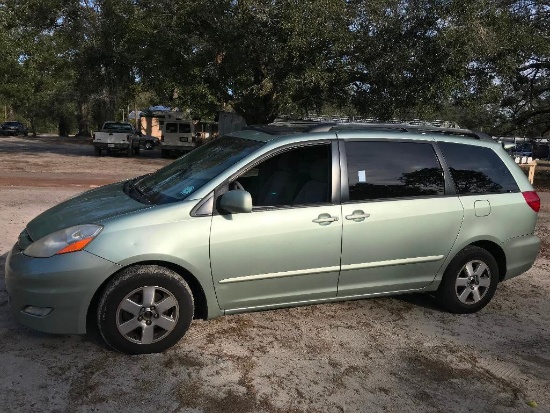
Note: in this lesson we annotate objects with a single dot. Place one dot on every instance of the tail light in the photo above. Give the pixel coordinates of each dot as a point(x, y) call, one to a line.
point(532, 199)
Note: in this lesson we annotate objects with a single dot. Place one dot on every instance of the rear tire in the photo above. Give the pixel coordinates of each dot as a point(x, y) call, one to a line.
point(145, 309)
point(469, 282)
point(149, 145)
point(97, 151)
point(130, 151)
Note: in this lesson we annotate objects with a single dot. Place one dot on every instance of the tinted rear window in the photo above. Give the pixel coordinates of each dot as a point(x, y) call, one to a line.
point(477, 170)
point(118, 127)
point(393, 170)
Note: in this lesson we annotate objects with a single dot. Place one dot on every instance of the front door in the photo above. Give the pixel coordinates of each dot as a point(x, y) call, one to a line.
point(287, 250)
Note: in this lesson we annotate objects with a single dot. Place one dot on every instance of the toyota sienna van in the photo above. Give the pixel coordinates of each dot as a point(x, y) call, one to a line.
point(267, 218)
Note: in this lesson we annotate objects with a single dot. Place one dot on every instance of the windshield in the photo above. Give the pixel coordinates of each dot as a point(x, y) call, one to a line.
point(185, 175)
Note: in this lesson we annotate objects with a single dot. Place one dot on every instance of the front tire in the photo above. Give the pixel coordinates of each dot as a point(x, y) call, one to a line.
point(149, 145)
point(145, 309)
point(469, 282)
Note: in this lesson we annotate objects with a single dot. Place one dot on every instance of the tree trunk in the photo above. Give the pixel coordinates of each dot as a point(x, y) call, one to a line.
point(82, 119)
point(62, 127)
point(33, 127)
point(256, 111)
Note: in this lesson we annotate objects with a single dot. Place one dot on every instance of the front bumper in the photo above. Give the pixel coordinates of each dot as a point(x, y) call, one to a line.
point(66, 283)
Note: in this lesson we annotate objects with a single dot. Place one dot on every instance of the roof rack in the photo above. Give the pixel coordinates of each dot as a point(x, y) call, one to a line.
point(294, 127)
point(284, 128)
point(400, 127)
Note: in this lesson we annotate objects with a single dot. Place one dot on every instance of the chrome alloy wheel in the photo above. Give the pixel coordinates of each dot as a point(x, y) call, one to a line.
point(147, 315)
point(473, 282)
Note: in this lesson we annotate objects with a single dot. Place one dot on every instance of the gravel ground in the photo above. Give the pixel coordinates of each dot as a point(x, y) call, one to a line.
point(400, 354)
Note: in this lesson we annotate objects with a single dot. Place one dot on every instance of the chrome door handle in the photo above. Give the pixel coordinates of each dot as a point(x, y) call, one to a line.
point(325, 219)
point(357, 216)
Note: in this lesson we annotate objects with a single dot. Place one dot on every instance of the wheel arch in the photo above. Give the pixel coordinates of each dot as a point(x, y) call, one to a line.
point(199, 296)
point(497, 252)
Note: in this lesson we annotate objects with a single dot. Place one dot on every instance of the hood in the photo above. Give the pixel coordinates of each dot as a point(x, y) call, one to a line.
point(92, 207)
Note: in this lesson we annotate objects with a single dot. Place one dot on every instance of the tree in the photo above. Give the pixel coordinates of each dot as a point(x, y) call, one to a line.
point(527, 79)
point(38, 81)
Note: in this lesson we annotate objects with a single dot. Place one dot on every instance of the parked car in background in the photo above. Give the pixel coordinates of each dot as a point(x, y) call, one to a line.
point(267, 218)
point(178, 136)
point(147, 141)
point(523, 150)
point(13, 128)
point(116, 137)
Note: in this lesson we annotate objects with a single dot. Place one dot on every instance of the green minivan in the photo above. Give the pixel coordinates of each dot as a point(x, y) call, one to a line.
point(267, 218)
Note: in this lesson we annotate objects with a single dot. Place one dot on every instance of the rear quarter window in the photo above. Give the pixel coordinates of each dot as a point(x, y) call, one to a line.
point(477, 170)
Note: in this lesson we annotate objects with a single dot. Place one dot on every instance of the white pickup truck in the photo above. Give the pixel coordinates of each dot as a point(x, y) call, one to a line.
point(116, 137)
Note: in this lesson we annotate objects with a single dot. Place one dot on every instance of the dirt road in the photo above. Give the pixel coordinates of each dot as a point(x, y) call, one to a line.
point(399, 354)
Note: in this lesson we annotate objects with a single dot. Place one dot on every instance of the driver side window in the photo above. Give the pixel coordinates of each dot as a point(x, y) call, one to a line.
point(300, 176)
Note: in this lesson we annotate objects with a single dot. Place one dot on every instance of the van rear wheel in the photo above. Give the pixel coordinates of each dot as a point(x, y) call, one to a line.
point(145, 309)
point(469, 282)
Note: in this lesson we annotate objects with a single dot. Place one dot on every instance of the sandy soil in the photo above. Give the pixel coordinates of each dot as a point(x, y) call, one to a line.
point(400, 354)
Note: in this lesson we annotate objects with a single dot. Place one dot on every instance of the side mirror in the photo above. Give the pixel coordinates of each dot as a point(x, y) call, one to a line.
point(236, 201)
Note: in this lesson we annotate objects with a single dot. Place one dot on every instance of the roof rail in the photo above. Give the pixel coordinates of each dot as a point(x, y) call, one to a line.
point(401, 127)
point(294, 127)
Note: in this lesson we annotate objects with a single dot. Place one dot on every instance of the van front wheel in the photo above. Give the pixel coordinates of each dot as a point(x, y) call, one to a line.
point(469, 282)
point(145, 309)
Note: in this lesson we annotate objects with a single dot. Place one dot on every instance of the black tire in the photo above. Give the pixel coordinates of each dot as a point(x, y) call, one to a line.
point(464, 291)
point(149, 145)
point(137, 151)
point(97, 151)
point(130, 151)
point(164, 153)
point(130, 287)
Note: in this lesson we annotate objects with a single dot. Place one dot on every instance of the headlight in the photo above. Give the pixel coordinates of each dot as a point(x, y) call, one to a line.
point(61, 242)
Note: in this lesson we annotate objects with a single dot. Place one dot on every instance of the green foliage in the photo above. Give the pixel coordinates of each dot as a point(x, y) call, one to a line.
point(77, 63)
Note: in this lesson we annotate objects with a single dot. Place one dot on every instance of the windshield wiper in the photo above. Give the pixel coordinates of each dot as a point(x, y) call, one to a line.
point(133, 191)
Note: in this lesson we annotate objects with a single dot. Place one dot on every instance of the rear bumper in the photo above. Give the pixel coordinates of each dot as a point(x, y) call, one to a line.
point(64, 283)
point(114, 146)
point(521, 253)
